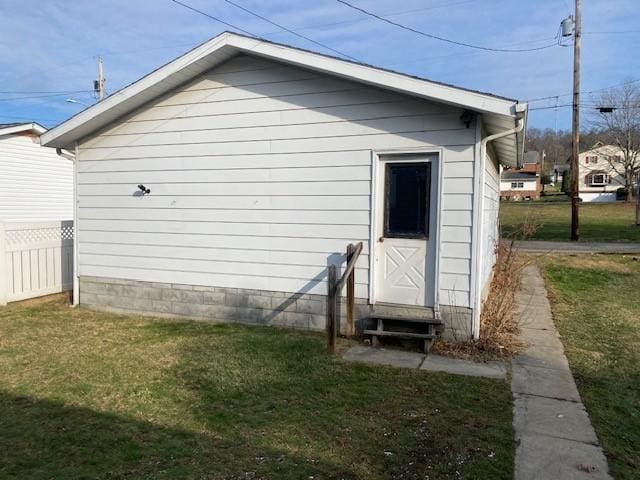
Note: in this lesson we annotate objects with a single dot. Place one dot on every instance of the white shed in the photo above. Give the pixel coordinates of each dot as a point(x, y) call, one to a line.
point(263, 162)
point(35, 185)
point(36, 215)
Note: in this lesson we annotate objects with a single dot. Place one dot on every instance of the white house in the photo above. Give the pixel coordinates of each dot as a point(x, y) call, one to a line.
point(263, 162)
point(524, 183)
point(598, 180)
point(36, 215)
point(519, 185)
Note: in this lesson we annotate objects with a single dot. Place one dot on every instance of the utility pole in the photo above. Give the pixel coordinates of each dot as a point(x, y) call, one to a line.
point(98, 85)
point(638, 199)
point(575, 125)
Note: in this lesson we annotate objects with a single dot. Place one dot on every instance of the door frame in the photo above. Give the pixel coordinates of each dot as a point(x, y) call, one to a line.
point(378, 157)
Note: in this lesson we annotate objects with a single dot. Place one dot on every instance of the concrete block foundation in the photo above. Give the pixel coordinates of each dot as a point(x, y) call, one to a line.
point(236, 305)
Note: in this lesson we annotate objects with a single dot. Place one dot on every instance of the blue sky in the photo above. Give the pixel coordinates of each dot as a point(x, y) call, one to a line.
point(50, 46)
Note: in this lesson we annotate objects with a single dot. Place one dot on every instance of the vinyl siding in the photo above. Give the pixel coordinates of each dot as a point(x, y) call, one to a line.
point(528, 186)
point(260, 175)
point(35, 183)
point(490, 227)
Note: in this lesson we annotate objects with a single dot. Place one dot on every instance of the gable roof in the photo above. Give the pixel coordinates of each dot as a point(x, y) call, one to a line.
point(499, 113)
point(599, 148)
point(9, 128)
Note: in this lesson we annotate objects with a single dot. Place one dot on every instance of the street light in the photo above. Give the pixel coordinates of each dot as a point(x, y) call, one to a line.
point(71, 100)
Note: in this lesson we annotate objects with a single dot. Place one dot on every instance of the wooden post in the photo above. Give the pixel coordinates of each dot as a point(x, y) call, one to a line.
point(332, 279)
point(575, 126)
point(351, 293)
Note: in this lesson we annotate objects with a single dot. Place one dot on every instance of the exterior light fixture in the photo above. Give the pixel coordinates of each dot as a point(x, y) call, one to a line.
point(467, 117)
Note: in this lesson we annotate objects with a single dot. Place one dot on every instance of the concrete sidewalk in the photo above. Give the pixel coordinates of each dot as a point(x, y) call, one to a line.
point(554, 436)
point(537, 246)
point(431, 362)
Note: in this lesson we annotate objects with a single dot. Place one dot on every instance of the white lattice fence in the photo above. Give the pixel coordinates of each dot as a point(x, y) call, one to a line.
point(35, 259)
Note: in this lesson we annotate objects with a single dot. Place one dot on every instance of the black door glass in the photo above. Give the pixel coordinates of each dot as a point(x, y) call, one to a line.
point(407, 200)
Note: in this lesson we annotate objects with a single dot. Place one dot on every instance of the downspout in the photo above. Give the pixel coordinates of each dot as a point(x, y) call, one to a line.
point(73, 158)
point(480, 218)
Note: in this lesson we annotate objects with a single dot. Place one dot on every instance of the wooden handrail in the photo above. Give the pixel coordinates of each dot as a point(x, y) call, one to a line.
point(351, 265)
point(334, 287)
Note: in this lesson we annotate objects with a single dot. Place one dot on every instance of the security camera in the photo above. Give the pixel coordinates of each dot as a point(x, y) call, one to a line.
point(144, 189)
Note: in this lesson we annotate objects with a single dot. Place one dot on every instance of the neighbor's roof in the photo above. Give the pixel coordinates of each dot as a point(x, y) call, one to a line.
point(499, 113)
point(9, 128)
point(532, 156)
point(518, 175)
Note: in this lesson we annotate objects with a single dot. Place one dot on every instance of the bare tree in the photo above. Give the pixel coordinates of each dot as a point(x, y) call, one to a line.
point(619, 119)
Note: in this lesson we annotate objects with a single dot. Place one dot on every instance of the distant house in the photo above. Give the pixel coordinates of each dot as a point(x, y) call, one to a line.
point(559, 171)
point(223, 186)
point(597, 179)
point(523, 183)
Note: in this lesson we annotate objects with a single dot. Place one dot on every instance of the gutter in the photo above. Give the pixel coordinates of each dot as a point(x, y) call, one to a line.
point(477, 288)
point(72, 157)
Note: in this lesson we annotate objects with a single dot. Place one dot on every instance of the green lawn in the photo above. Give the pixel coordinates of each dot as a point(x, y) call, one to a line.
point(99, 396)
point(596, 307)
point(610, 222)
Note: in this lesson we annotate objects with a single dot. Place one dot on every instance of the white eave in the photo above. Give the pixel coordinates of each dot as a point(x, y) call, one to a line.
point(499, 113)
point(23, 127)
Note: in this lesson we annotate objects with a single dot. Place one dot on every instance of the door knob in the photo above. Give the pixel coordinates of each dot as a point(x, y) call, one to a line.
point(381, 239)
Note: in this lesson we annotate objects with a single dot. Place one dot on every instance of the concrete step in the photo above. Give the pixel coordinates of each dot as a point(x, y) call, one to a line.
point(401, 327)
point(388, 333)
point(394, 310)
point(397, 318)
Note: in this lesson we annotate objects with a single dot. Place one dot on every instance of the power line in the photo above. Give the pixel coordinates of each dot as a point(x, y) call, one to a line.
point(620, 32)
point(458, 55)
point(539, 99)
point(442, 39)
point(61, 92)
point(289, 30)
point(390, 14)
point(214, 18)
point(266, 20)
point(583, 106)
point(29, 97)
point(17, 117)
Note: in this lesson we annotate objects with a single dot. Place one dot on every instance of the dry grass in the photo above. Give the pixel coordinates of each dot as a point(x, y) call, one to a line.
point(498, 328)
point(596, 308)
point(600, 262)
point(93, 395)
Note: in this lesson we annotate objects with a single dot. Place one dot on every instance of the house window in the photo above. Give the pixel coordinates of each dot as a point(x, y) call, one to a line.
point(598, 179)
point(407, 200)
point(591, 159)
point(517, 184)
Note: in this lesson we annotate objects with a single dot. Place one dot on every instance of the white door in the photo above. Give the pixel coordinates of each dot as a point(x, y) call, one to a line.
point(404, 213)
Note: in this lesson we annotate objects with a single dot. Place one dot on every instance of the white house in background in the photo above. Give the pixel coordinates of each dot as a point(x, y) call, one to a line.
point(598, 180)
point(36, 215)
point(35, 185)
point(263, 162)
